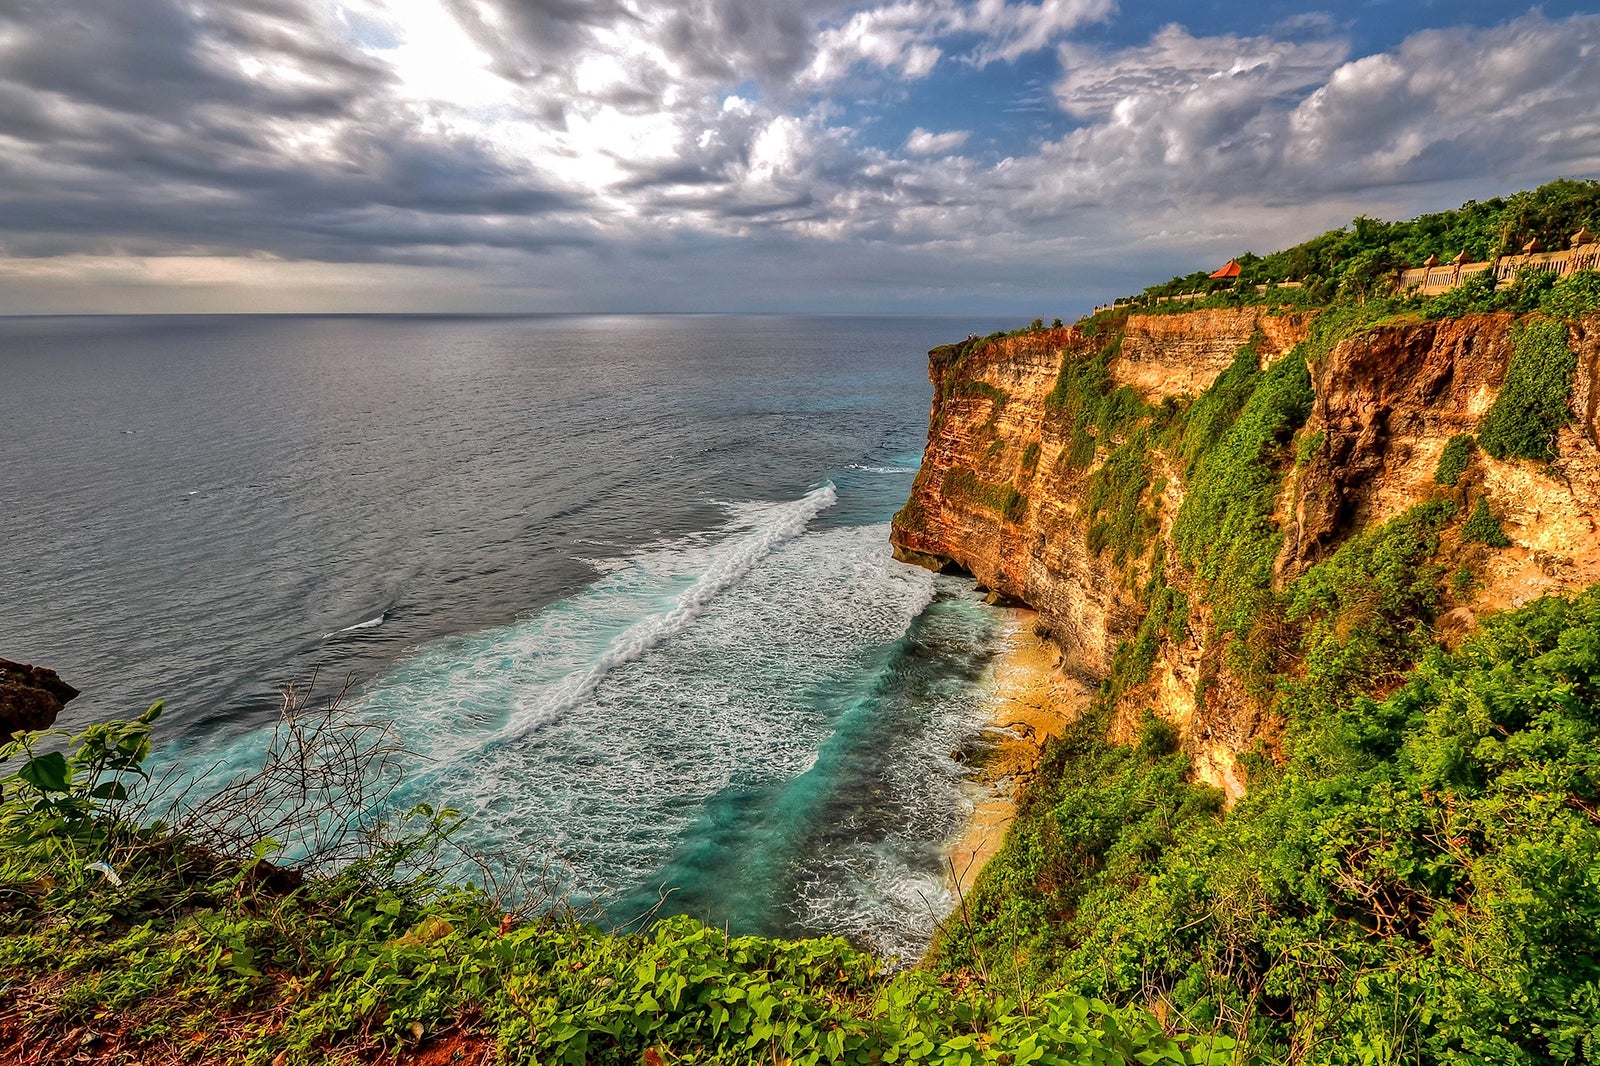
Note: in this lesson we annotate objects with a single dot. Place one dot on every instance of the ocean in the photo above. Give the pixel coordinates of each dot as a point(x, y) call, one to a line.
point(620, 584)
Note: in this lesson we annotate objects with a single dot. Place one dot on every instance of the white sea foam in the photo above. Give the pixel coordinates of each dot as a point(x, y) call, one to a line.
point(371, 623)
point(669, 695)
point(871, 469)
point(732, 563)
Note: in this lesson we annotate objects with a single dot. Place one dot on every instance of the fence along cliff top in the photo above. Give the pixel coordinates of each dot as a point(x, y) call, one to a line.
point(1434, 277)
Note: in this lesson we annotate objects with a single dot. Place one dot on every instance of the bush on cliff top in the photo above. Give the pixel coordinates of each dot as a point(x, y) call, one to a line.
point(1357, 258)
point(169, 951)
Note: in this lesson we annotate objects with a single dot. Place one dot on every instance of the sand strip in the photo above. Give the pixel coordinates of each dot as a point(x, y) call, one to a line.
point(1033, 700)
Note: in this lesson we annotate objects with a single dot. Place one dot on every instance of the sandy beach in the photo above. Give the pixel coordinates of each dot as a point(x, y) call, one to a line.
point(1033, 700)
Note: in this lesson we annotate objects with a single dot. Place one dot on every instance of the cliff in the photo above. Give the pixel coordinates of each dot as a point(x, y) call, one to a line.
point(1060, 468)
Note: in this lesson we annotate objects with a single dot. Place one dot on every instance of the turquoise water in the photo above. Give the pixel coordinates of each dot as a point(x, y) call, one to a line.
point(622, 586)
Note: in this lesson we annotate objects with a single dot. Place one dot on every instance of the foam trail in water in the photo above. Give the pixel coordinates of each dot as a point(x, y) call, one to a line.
point(740, 557)
point(371, 623)
point(867, 468)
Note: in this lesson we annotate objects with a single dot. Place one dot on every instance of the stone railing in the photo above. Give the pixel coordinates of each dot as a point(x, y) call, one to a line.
point(1434, 277)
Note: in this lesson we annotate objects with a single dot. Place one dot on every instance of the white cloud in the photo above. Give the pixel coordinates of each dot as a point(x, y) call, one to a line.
point(1176, 66)
point(909, 37)
point(515, 140)
point(922, 142)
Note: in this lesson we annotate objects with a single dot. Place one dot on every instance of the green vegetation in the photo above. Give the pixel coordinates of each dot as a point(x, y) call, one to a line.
point(1454, 459)
point(1118, 518)
point(1224, 531)
point(910, 516)
point(1090, 407)
point(1030, 457)
point(1362, 617)
point(1415, 882)
point(982, 390)
point(1308, 446)
point(1574, 296)
point(170, 949)
point(1003, 498)
point(1166, 618)
point(1482, 527)
point(1532, 404)
point(1412, 874)
point(1359, 260)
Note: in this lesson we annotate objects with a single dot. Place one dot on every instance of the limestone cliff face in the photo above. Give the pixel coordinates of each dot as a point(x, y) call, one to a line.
point(1170, 355)
point(1000, 495)
point(1386, 403)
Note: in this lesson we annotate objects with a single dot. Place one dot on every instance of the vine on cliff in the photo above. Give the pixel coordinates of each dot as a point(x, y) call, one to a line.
point(1454, 459)
point(1115, 507)
point(1091, 407)
point(960, 483)
point(1224, 531)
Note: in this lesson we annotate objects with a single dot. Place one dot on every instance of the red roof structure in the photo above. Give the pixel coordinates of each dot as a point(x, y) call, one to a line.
point(1229, 270)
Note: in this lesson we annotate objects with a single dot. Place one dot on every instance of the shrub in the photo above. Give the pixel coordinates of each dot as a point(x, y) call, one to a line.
point(1574, 296)
point(1453, 460)
point(1414, 884)
point(1482, 527)
point(1532, 404)
point(176, 954)
point(1476, 294)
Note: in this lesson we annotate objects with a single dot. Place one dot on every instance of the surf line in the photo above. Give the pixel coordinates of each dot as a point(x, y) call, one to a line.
point(739, 556)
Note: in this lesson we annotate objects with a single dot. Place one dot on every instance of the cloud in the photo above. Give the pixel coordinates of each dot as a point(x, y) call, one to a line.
point(549, 146)
point(910, 37)
point(1496, 101)
point(922, 142)
point(1175, 66)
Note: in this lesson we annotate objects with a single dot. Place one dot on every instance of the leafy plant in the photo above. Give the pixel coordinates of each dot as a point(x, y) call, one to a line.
point(1574, 296)
point(1483, 527)
point(190, 953)
point(1454, 459)
point(79, 791)
point(1532, 404)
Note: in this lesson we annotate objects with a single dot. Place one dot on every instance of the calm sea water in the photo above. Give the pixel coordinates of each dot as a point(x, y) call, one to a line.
point(622, 583)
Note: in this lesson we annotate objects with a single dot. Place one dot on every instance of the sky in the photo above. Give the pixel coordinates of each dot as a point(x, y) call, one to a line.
point(1033, 157)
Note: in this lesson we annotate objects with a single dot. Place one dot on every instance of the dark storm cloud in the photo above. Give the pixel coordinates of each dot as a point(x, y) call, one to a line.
point(136, 124)
point(155, 57)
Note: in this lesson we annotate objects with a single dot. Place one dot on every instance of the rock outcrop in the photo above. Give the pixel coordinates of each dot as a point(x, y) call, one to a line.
point(1002, 495)
point(30, 698)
